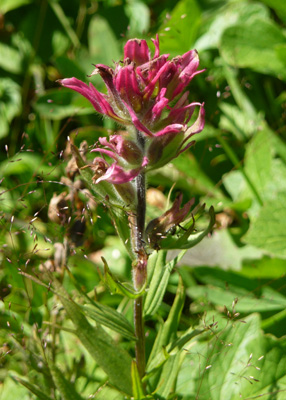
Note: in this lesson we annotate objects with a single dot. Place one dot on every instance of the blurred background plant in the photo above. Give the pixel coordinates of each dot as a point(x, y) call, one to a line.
point(237, 165)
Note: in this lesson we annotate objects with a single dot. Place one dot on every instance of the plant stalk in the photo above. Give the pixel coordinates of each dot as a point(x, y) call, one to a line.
point(140, 264)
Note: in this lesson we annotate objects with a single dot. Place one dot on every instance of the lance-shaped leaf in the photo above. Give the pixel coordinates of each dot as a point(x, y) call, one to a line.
point(159, 284)
point(65, 387)
point(168, 331)
point(138, 392)
point(110, 318)
point(115, 361)
point(33, 389)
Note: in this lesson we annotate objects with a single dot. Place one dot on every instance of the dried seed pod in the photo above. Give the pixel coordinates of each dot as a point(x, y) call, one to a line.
point(58, 211)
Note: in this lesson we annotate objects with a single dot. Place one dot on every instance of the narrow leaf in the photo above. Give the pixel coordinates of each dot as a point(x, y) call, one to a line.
point(33, 388)
point(65, 387)
point(137, 388)
point(168, 332)
point(110, 318)
point(115, 361)
point(159, 284)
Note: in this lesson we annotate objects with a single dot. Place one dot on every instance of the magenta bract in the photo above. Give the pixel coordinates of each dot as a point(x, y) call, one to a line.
point(143, 92)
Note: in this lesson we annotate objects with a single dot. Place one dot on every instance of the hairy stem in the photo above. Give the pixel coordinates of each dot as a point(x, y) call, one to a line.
point(140, 265)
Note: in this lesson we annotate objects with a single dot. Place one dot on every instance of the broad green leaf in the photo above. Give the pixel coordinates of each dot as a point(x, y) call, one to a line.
point(110, 318)
point(10, 59)
point(267, 231)
point(10, 101)
point(258, 159)
point(102, 42)
point(23, 163)
point(270, 300)
point(159, 283)
point(229, 14)
point(239, 362)
point(115, 361)
point(188, 165)
point(253, 45)
point(139, 16)
point(69, 68)
point(178, 32)
point(237, 121)
point(60, 103)
point(65, 387)
point(278, 6)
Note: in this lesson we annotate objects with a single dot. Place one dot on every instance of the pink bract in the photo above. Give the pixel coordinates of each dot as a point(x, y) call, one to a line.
point(146, 93)
point(141, 88)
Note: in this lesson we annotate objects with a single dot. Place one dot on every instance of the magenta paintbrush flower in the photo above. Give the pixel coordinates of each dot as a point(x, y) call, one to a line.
point(143, 93)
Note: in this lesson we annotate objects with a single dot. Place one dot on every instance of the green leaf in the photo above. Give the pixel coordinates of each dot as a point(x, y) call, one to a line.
point(267, 231)
point(220, 250)
point(117, 287)
point(258, 159)
point(231, 13)
point(178, 32)
point(168, 332)
point(10, 59)
point(32, 388)
point(170, 359)
point(57, 104)
point(115, 361)
point(10, 101)
point(110, 318)
point(168, 376)
point(253, 45)
point(102, 42)
point(12, 390)
point(159, 282)
point(270, 300)
point(59, 12)
point(192, 171)
point(278, 6)
point(69, 68)
point(239, 362)
point(9, 5)
point(65, 387)
point(137, 388)
point(139, 17)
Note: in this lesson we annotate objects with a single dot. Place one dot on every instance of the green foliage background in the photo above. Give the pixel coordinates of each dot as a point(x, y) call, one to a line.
point(235, 280)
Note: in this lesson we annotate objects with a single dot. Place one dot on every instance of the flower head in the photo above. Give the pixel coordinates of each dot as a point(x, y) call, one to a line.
point(143, 92)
